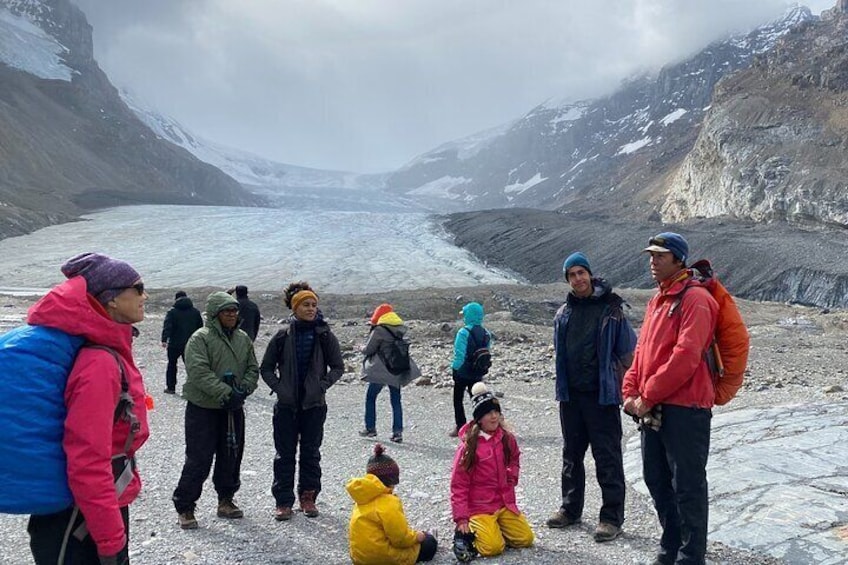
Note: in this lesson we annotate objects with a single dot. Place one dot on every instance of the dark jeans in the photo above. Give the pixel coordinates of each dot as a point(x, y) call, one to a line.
point(428, 548)
point(371, 407)
point(174, 354)
point(674, 463)
point(293, 426)
point(459, 389)
point(206, 433)
point(586, 423)
point(47, 532)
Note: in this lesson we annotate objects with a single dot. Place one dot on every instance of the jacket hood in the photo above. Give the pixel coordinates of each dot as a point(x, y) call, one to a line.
point(69, 307)
point(216, 302)
point(390, 319)
point(365, 489)
point(183, 303)
point(472, 314)
point(602, 290)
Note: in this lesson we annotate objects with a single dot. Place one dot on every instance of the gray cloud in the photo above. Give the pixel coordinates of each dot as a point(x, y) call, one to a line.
point(366, 85)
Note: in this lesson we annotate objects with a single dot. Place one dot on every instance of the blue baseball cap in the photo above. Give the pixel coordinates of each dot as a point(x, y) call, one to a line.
point(669, 242)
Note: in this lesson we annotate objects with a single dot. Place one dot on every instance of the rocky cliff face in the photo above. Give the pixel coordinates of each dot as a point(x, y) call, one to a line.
point(773, 144)
point(67, 141)
point(612, 154)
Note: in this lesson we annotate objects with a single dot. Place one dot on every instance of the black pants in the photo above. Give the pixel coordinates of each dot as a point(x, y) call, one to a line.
point(174, 355)
point(428, 548)
point(586, 423)
point(293, 426)
point(674, 463)
point(206, 438)
point(47, 532)
point(459, 389)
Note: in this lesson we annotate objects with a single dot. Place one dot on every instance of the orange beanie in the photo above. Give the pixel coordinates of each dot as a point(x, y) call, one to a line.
point(379, 311)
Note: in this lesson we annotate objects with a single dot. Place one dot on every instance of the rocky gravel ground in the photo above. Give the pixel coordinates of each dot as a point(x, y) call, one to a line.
point(799, 355)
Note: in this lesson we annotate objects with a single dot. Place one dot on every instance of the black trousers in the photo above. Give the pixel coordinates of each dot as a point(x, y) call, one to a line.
point(47, 532)
point(586, 423)
point(459, 389)
point(206, 433)
point(294, 426)
point(674, 463)
point(428, 548)
point(174, 355)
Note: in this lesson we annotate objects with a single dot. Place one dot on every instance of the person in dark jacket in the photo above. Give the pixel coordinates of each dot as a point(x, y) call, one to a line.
point(302, 361)
point(249, 317)
point(182, 320)
point(386, 326)
point(221, 372)
point(594, 346)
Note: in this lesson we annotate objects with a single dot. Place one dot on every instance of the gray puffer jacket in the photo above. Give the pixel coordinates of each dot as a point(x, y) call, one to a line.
point(374, 369)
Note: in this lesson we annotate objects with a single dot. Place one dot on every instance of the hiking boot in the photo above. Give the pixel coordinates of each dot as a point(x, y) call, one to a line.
point(397, 437)
point(561, 520)
point(283, 513)
point(307, 503)
point(368, 433)
point(170, 391)
point(454, 432)
point(228, 509)
point(463, 546)
point(187, 520)
point(606, 532)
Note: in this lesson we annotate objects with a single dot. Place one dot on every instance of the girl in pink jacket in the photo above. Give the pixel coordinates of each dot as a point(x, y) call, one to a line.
point(483, 479)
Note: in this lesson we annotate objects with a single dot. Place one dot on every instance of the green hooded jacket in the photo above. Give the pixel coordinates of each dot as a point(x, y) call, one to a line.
point(210, 353)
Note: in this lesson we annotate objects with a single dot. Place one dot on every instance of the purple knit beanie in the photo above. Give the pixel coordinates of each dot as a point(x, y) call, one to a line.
point(105, 277)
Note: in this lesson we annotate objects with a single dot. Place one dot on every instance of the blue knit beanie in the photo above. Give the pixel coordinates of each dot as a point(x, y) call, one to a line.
point(576, 260)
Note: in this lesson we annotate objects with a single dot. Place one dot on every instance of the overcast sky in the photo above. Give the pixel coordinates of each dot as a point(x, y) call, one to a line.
point(366, 85)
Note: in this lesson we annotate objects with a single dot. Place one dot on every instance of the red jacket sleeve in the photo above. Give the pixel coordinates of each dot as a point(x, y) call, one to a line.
point(513, 470)
point(460, 486)
point(90, 397)
point(630, 382)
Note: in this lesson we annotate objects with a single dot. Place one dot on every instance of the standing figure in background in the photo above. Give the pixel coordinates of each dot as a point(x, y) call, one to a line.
point(182, 320)
point(301, 362)
point(221, 372)
point(387, 363)
point(594, 346)
point(249, 317)
point(471, 359)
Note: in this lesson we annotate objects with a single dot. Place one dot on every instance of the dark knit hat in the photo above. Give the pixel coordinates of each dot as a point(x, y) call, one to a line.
point(483, 401)
point(576, 260)
point(105, 277)
point(241, 291)
point(180, 294)
point(383, 467)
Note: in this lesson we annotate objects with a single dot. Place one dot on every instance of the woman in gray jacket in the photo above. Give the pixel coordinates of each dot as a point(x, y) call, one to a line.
point(386, 346)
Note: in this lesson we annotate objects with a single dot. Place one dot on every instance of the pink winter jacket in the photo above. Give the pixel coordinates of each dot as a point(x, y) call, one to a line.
point(490, 485)
point(91, 396)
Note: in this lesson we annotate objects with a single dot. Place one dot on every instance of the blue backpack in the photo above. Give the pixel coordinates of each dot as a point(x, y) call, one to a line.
point(35, 362)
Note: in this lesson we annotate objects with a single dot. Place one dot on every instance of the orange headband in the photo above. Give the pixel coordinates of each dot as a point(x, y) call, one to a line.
point(300, 296)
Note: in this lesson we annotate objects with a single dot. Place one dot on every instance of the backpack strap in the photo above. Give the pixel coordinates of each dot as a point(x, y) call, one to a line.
point(391, 333)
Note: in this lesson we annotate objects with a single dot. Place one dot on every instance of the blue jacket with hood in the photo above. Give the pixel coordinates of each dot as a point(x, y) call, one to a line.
point(472, 315)
point(616, 341)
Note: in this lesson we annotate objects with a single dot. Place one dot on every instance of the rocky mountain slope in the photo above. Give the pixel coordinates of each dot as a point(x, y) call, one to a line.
point(67, 141)
point(594, 153)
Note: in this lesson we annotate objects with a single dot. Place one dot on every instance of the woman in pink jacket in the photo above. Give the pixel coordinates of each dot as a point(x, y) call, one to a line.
point(483, 479)
point(105, 424)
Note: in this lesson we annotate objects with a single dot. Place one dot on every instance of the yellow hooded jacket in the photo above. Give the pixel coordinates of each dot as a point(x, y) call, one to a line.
point(379, 534)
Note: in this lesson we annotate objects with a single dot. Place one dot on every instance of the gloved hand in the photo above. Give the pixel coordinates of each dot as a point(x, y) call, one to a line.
point(235, 400)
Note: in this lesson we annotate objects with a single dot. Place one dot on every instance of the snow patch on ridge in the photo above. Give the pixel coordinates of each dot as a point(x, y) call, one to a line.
point(441, 187)
point(27, 47)
point(520, 187)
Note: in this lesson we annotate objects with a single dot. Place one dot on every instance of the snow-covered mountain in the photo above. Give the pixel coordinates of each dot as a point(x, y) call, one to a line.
point(591, 154)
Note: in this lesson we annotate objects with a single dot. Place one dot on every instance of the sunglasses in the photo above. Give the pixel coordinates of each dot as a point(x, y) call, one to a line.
point(139, 288)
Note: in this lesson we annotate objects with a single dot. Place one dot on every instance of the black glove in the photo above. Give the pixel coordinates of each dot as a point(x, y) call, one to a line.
point(235, 400)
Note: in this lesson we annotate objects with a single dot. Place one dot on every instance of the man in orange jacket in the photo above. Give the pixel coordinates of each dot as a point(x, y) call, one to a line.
point(670, 383)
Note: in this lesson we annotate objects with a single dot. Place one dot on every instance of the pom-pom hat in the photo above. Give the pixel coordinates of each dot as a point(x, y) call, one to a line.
point(483, 401)
point(383, 467)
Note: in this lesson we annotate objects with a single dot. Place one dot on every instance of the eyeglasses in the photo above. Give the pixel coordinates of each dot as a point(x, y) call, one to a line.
point(139, 288)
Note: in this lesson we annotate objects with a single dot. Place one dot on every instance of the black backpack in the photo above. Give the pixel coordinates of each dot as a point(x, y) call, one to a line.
point(478, 358)
point(395, 353)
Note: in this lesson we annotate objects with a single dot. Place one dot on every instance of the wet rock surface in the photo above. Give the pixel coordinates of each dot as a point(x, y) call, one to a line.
point(778, 488)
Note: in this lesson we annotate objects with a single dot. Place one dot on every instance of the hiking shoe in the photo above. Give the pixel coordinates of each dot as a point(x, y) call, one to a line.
point(561, 520)
point(170, 391)
point(463, 547)
point(283, 513)
point(228, 509)
point(454, 432)
point(397, 437)
point(307, 503)
point(606, 532)
point(368, 433)
point(187, 520)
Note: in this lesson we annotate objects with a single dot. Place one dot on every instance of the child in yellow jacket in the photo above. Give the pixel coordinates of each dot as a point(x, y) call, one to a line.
point(379, 534)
